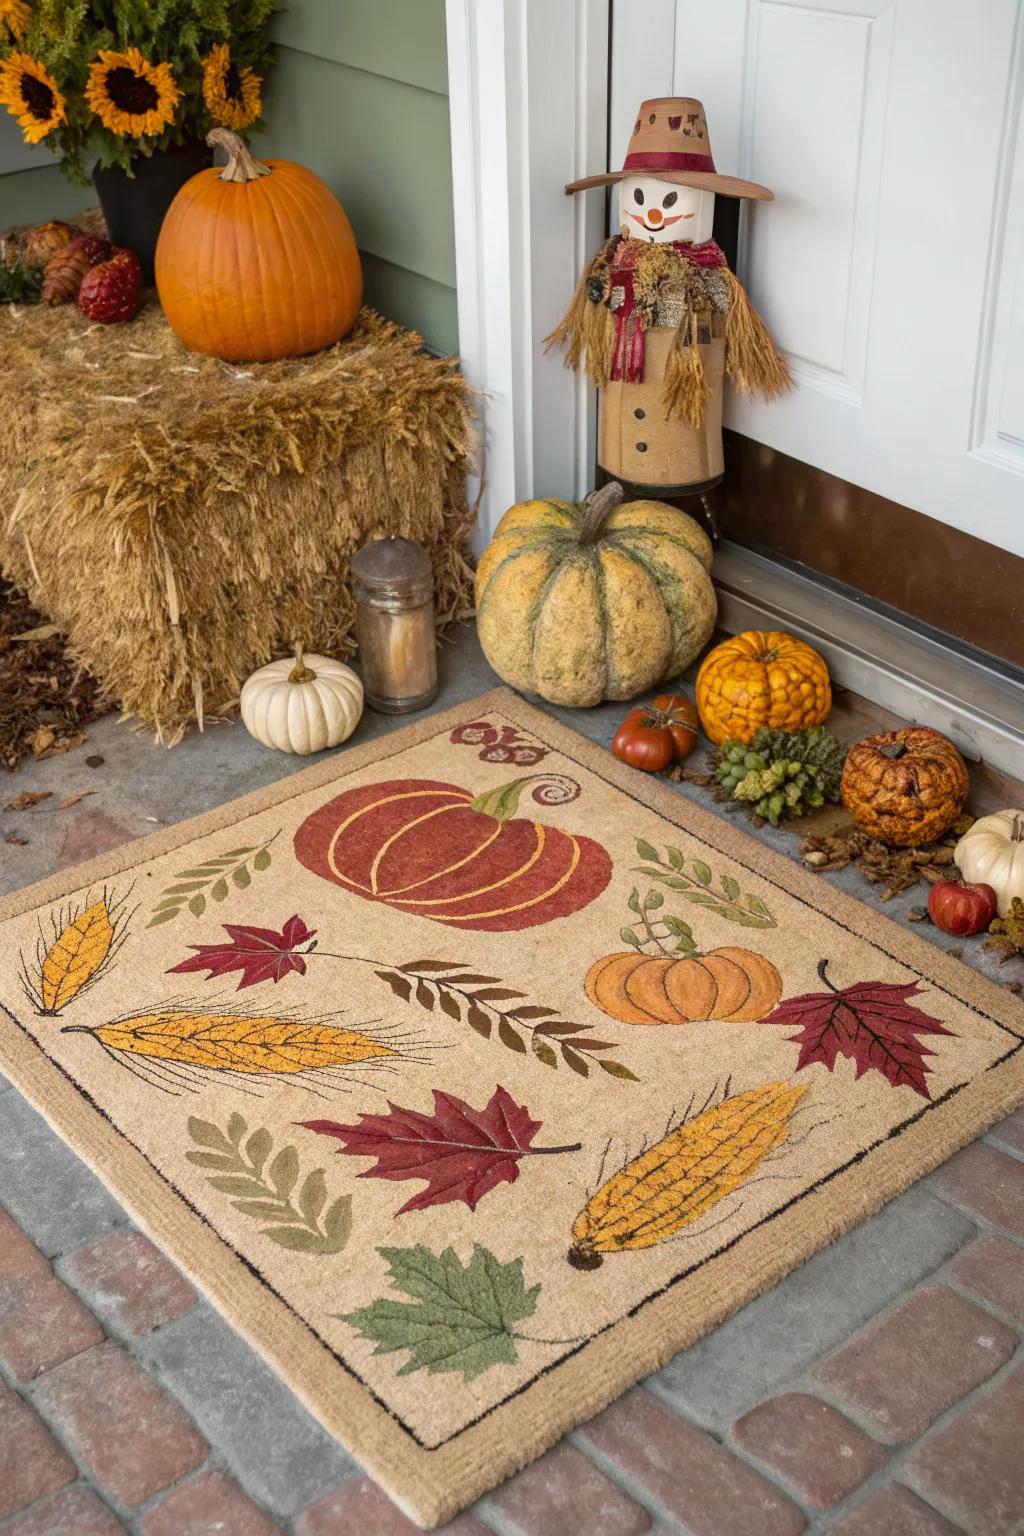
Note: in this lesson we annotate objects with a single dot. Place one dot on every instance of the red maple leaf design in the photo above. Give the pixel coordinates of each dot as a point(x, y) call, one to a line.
point(461, 1152)
point(261, 954)
point(871, 1022)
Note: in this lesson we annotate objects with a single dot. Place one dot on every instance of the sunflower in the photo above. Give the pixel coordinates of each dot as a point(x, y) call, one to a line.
point(130, 96)
point(32, 95)
point(232, 94)
point(14, 16)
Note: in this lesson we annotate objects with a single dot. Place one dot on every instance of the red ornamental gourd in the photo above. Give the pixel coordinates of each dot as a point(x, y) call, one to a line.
point(257, 260)
point(435, 850)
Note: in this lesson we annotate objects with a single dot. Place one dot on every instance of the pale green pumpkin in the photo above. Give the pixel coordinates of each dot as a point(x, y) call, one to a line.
point(596, 601)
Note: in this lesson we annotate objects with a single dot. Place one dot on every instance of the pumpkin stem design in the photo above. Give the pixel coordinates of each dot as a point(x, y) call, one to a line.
point(242, 165)
point(503, 803)
point(893, 750)
point(595, 508)
point(300, 673)
point(1017, 835)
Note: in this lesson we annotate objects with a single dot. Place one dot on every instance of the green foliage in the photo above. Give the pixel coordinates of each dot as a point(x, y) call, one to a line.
point(782, 774)
point(238, 1163)
point(20, 284)
point(461, 1317)
point(67, 36)
point(695, 882)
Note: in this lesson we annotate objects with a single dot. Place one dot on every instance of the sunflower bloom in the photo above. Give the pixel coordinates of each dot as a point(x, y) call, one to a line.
point(31, 95)
point(14, 16)
point(232, 95)
point(130, 96)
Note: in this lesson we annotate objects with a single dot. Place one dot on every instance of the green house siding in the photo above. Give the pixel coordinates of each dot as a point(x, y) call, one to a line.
point(359, 93)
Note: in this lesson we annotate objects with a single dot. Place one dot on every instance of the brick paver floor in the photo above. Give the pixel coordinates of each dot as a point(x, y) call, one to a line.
point(877, 1391)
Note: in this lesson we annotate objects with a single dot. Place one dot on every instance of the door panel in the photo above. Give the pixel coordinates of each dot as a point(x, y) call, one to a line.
point(891, 265)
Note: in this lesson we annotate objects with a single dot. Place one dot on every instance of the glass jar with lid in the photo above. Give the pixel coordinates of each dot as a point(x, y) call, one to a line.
point(393, 585)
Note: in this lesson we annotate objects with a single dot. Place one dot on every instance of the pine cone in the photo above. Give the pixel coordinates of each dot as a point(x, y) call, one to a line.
point(64, 272)
point(45, 240)
point(112, 291)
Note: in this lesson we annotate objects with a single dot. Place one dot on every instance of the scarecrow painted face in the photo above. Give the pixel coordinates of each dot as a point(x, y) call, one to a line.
point(657, 211)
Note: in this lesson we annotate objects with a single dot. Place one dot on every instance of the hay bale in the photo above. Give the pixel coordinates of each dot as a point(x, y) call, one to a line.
point(184, 519)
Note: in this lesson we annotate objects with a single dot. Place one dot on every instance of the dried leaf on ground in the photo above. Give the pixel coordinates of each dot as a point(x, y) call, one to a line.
point(71, 800)
point(897, 869)
point(1008, 932)
point(41, 688)
point(27, 800)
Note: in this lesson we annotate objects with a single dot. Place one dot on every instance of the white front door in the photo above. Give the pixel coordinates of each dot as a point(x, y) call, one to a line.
point(891, 265)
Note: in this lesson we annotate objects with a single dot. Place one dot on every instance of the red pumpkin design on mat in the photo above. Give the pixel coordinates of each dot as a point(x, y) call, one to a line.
point(436, 850)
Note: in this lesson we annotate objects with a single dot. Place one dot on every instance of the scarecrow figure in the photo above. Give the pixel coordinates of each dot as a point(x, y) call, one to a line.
point(660, 317)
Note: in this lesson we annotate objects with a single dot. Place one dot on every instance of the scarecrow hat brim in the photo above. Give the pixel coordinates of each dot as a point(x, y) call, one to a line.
point(704, 181)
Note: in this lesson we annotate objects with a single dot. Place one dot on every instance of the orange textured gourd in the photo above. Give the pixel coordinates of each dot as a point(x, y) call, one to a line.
point(905, 787)
point(735, 986)
point(257, 261)
point(761, 678)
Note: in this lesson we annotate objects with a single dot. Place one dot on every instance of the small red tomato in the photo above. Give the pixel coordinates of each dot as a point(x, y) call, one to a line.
point(961, 908)
point(654, 735)
point(680, 718)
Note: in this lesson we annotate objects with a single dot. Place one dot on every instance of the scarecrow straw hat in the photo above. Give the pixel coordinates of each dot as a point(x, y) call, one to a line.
point(670, 141)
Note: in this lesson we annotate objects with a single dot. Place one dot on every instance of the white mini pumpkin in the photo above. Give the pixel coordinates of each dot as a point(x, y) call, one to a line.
point(303, 705)
point(993, 851)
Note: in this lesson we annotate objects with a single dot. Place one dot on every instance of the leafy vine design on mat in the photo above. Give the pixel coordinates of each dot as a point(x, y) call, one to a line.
point(469, 997)
point(85, 940)
point(695, 882)
point(502, 744)
point(211, 880)
point(871, 1023)
point(177, 1046)
point(461, 1318)
point(236, 1163)
point(460, 993)
point(706, 1156)
point(461, 1153)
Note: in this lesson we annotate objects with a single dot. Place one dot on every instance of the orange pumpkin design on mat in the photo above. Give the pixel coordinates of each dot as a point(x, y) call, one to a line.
point(436, 850)
point(735, 986)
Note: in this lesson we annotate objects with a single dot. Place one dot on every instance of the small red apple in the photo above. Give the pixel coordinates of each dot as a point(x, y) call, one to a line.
point(961, 907)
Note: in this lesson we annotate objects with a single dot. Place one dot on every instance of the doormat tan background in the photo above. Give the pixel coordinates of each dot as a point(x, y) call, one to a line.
point(337, 1044)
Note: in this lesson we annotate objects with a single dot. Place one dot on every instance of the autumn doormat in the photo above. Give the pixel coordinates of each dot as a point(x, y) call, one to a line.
point(472, 1074)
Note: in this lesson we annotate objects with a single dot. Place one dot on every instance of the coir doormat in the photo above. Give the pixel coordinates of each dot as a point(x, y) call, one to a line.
point(472, 1075)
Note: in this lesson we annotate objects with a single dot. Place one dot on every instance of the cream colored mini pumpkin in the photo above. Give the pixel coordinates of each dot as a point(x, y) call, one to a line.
point(993, 852)
point(303, 705)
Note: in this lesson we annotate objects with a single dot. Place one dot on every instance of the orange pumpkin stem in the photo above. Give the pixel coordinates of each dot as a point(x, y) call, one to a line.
point(242, 166)
point(595, 508)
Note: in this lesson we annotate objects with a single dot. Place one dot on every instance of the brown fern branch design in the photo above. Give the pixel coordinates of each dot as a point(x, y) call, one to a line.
point(489, 1007)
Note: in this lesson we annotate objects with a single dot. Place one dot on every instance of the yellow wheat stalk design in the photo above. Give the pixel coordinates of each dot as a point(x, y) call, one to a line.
point(675, 1182)
point(84, 943)
point(231, 1042)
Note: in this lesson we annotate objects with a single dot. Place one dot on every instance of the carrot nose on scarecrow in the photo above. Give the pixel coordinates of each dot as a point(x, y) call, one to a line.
point(654, 215)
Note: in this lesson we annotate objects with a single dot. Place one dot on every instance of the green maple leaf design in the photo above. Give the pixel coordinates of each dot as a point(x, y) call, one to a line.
point(461, 1318)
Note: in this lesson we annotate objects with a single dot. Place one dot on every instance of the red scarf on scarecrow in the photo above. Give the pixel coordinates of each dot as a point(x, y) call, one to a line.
point(618, 301)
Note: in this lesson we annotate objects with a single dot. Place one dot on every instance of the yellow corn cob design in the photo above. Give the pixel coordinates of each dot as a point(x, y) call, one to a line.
point(673, 1183)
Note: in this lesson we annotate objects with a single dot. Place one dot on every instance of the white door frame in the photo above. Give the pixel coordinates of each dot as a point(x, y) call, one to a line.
point(528, 95)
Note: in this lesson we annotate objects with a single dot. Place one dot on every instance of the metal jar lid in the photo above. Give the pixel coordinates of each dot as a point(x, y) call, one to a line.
point(392, 573)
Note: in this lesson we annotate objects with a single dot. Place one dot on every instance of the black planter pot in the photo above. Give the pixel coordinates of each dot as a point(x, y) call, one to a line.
point(134, 206)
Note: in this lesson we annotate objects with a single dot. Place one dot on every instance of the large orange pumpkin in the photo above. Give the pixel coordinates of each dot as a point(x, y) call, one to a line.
point(435, 850)
point(735, 986)
point(257, 261)
point(761, 678)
